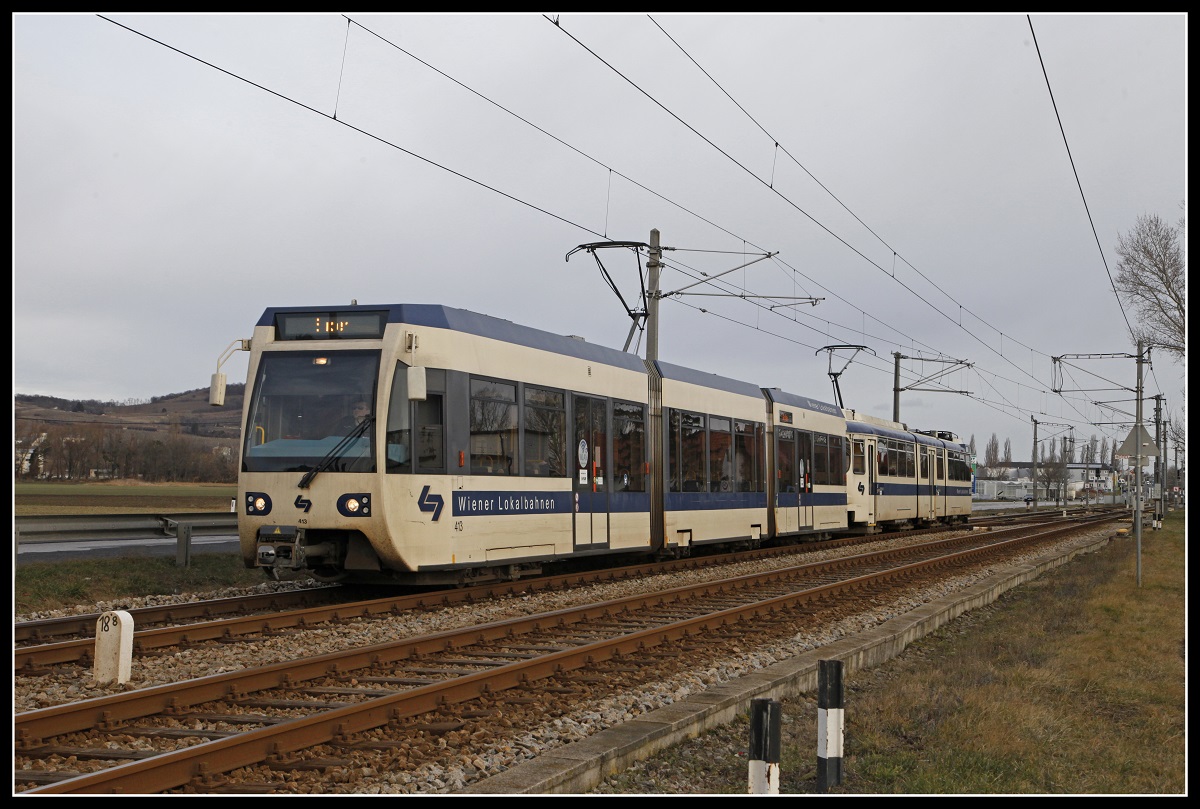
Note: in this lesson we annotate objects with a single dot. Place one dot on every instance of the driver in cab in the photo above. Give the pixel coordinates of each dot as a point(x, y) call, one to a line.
point(346, 424)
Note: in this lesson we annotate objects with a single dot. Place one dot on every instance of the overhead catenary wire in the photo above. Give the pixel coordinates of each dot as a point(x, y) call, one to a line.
point(361, 131)
point(1078, 184)
point(908, 288)
point(571, 147)
point(487, 186)
point(397, 146)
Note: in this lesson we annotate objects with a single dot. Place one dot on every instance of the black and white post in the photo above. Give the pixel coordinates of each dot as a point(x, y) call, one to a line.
point(765, 719)
point(831, 704)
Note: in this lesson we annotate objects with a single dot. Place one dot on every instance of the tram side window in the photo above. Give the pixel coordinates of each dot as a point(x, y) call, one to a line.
point(748, 436)
point(691, 452)
point(720, 455)
point(858, 460)
point(896, 458)
point(941, 469)
point(629, 447)
point(431, 442)
point(924, 464)
point(763, 441)
point(837, 461)
point(959, 468)
point(820, 459)
point(673, 464)
point(760, 444)
point(785, 463)
point(493, 427)
point(545, 432)
point(399, 430)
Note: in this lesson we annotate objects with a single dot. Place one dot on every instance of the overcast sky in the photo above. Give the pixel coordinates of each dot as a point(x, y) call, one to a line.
point(947, 186)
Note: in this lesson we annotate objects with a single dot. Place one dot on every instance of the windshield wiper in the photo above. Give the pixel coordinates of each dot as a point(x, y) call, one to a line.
point(336, 452)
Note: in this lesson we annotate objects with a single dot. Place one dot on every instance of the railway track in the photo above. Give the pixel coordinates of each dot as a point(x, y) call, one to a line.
point(71, 639)
point(66, 639)
point(269, 728)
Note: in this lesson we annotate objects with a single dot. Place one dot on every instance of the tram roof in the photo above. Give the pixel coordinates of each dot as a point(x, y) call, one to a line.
point(462, 320)
point(782, 397)
point(903, 435)
point(680, 373)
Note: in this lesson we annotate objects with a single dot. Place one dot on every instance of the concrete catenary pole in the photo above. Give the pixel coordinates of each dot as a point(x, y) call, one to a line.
point(1137, 468)
point(896, 388)
point(653, 271)
point(1160, 462)
point(1035, 492)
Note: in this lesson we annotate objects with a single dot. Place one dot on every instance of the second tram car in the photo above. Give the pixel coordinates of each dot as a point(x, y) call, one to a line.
point(490, 450)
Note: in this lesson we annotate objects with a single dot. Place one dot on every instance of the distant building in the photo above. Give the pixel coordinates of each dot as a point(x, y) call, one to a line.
point(26, 455)
point(1094, 478)
point(1076, 472)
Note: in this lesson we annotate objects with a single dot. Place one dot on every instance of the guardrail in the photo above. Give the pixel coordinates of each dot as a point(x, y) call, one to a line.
point(74, 527)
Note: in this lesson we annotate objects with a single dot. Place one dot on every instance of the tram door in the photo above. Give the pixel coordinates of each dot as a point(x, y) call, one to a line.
point(874, 490)
point(786, 485)
point(591, 473)
point(929, 490)
point(804, 466)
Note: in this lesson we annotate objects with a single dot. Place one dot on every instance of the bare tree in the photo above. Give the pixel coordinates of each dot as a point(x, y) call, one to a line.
point(1050, 472)
point(1177, 432)
point(991, 454)
point(1151, 280)
point(1007, 450)
point(1177, 436)
point(1062, 481)
point(1089, 455)
point(991, 461)
point(113, 449)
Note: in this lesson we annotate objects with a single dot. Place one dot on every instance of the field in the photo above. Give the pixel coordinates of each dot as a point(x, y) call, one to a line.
point(42, 586)
point(1074, 684)
point(120, 497)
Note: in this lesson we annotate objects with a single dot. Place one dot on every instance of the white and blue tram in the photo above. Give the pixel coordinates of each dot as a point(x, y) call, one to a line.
point(493, 450)
point(900, 478)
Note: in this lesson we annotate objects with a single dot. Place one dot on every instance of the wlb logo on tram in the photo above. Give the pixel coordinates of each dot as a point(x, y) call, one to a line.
point(430, 502)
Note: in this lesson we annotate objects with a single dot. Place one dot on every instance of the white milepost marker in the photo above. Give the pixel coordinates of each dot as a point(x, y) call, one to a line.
point(114, 647)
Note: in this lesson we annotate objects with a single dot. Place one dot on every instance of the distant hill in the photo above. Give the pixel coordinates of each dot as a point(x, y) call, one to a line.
point(188, 413)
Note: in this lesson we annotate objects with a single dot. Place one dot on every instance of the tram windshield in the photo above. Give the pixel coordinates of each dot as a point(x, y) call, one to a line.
point(306, 403)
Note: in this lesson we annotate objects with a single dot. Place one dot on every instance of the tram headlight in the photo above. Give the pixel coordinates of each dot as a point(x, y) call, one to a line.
point(258, 504)
point(355, 504)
